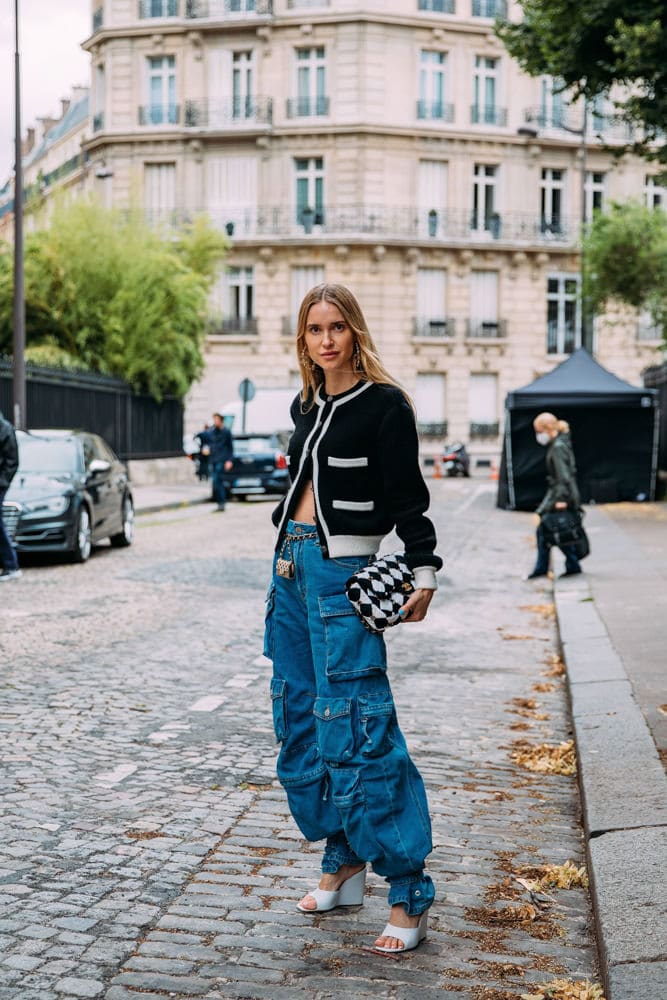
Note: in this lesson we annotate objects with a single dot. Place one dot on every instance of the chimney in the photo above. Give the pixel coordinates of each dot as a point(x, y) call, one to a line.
point(78, 93)
point(28, 143)
point(65, 105)
point(46, 122)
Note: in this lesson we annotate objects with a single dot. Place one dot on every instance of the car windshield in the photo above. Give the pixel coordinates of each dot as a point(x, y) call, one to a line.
point(46, 457)
point(253, 445)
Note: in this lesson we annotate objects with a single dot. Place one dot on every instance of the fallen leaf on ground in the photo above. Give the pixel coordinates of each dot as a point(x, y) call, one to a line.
point(565, 876)
point(563, 989)
point(511, 636)
point(556, 666)
point(544, 687)
point(545, 758)
point(545, 610)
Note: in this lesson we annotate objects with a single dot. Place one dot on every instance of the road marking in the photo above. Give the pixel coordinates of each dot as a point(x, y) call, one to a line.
point(469, 501)
point(118, 774)
point(207, 704)
point(241, 680)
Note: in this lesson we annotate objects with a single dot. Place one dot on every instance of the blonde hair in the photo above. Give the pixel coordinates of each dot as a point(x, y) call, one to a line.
point(551, 423)
point(563, 427)
point(370, 367)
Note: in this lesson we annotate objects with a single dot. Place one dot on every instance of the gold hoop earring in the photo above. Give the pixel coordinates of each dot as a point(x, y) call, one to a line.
point(357, 357)
point(306, 360)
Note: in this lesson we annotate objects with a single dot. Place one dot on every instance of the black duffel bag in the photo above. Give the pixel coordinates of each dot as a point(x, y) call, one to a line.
point(566, 527)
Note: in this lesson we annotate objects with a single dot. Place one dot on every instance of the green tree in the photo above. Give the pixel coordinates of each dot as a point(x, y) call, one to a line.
point(119, 297)
point(626, 259)
point(595, 44)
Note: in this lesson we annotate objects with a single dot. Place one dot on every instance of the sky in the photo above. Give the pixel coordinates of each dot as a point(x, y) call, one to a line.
point(52, 61)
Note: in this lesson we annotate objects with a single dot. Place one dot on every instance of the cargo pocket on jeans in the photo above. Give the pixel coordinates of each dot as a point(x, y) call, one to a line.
point(375, 719)
point(352, 651)
point(279, 708)
point(268, 622)
point(333, 723)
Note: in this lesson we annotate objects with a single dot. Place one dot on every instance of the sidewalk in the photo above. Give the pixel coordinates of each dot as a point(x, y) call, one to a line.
point(149, 499)
point(614, 641)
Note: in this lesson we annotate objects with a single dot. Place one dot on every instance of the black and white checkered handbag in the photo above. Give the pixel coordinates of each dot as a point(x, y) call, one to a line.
point(379, 590)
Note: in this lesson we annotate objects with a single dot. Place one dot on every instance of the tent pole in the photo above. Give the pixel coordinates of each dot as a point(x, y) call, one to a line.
point(654, 457)
point(510, 466)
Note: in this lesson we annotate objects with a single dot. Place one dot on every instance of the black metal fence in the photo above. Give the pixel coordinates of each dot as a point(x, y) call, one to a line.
point(656, 378)
point(136, 426)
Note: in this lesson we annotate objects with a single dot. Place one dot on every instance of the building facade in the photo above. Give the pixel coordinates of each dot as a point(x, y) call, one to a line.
point(391, 145)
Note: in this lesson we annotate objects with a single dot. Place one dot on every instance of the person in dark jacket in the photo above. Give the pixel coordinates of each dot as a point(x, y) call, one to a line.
point(9, 461)
point(355, 476)
point(221, 456)
point(562, 489)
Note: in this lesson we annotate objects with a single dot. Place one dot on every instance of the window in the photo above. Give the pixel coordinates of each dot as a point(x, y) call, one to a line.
point(485, 91)
point(489, 8)
point(161, 86)
point(311, 99)
point(309, 173)
point(563, 314)
point(237, 301)
point(231, 192)
point(483, 404)
point(160, 191)
point(598, 108)
point(431, 312)
point(158, 8)
point(242, 84)
point(303, 279)
point(100, 97)
point(655, 196)
point(595, 190)
point(551, 103)
point(431, 197)
point(431, 103)
point(430, 403)
point(484, 320)
point(484, 216)
point(551, 200)
point(647, 328)
point(438, 6)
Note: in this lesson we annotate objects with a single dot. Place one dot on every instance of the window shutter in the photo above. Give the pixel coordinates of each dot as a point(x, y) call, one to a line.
point(303, 279)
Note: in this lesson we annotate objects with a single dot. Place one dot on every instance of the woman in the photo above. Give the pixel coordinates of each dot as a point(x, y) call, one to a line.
point(343, 762)
point(562, 490)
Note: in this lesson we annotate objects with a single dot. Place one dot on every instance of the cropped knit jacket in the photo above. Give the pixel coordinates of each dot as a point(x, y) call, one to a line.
point(360, 450)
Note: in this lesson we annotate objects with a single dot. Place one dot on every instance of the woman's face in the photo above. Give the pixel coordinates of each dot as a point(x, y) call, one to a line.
point(329, 340)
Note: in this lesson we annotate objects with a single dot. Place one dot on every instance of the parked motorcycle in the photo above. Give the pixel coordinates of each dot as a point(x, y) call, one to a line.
point(456, 460)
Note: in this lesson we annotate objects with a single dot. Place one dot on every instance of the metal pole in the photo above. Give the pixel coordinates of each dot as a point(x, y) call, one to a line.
point(586, 340)
point(20, 414)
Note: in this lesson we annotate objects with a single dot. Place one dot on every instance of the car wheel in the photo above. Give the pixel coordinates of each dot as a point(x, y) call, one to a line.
point(83, 538)
point(125, 536)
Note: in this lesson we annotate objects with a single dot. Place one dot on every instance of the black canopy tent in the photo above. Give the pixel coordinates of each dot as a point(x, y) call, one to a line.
point(614, 428)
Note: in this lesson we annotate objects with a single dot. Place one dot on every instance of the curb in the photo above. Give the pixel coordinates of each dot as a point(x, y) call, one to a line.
point(170, 505)
point(624, 800)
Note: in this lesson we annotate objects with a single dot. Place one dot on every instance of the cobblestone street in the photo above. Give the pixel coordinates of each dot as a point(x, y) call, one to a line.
point(145, 846)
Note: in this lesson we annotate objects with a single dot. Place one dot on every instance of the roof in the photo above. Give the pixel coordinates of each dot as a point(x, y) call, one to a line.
point(579, 381)
point(73, 117)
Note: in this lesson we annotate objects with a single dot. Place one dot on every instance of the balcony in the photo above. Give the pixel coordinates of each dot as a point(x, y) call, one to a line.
point(66, 168)
point(438, 6)
point(157, 8)
point(433, 329)
point(438, 429)
point(307, 107)
point(485, 430)
point(159, 114)
point(225, 10)
point(237, 113)
point(486, 329)
point(568, 120)
point(489, 8)
point(233, 326)
point(488, 114)
point(435, 111)
point(98, 19)
point(649, 332)
point(305, 4)
point(98, 121)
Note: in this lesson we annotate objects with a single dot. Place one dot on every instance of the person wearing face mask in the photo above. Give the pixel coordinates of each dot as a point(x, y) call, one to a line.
point(562, 490)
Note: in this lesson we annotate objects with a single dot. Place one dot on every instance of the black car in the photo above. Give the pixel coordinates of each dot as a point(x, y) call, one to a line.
point(70, 491)
point(259, 466)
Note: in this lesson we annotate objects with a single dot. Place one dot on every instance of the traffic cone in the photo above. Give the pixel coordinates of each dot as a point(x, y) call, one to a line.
point(437, 469)
point(494, 471)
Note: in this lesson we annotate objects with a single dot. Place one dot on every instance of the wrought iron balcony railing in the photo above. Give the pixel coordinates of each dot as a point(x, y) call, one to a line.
point(435, 111)
point(246, 112)
point(386, 223)
point(438, 429)
point(307, 107)
point(159, 114)
point(484, 430)
point(300, 4)
point(158, 8)
point(224, 10)
point(434, 329)
point(489, 8)
point(486, 329)
point(569, 121)
point(98, 19)
point(488, 114)
point(234, 326)
point(98, 121)
point(438, 6)
point(68, 167)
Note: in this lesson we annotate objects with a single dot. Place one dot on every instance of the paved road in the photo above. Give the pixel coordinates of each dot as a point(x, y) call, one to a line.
point(145, 849)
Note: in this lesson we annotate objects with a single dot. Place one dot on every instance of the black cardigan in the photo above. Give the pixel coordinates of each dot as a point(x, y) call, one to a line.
point(360, 449)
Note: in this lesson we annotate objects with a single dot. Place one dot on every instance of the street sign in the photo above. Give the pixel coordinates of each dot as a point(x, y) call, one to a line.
point(247, 390)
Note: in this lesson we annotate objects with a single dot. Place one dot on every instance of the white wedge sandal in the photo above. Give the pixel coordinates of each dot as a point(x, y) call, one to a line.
point(410, 936)
point(351, 893)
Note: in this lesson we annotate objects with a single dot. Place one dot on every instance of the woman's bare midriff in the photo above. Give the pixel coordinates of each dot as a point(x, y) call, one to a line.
point(305, 509)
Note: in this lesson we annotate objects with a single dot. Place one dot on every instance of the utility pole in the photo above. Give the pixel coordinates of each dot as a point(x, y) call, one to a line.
point(20, 415)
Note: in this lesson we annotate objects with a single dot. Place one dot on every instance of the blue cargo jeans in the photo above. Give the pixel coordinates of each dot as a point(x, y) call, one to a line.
point(343, 760)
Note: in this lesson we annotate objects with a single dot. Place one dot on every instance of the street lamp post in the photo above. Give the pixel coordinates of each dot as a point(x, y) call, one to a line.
point(19, 288)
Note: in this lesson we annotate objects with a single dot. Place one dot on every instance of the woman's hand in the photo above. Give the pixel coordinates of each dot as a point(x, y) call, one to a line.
point(416, 606)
